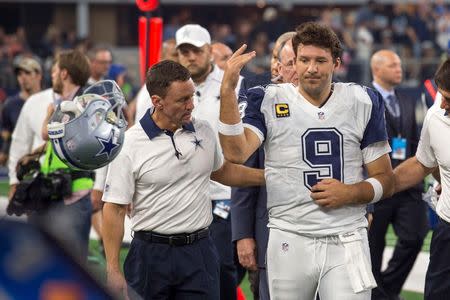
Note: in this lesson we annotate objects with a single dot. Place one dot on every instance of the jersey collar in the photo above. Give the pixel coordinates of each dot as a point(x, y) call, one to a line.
point(152, 130)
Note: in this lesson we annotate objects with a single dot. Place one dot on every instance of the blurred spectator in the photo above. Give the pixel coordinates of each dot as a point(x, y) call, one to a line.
point(29, 75)
point(363, 51)
point(52, 40)
point(261, 62)
point(443, 30)
point(349, 32)
point(221, 53)
point(70, 39)
point(242, 28)
point(176, 21)
point(222, 33)
point(400, 24)
point(169, 50)
point(366, 12)
point(273, 25)
point(429, 64)
point(411, 68)
point(101, 59)
point(118, 73)
point(380, 21)
point(332, 18)
point(387, 41)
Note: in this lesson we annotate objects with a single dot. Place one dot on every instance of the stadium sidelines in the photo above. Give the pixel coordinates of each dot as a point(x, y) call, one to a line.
point(415, 281)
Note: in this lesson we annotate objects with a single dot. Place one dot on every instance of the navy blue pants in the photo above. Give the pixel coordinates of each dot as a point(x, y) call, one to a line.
point(437, 280)
point(159, 271)
point(221, 235)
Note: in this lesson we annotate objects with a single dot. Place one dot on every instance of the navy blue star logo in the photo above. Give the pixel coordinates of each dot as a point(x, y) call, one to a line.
point(197, 143)
point(107, 145)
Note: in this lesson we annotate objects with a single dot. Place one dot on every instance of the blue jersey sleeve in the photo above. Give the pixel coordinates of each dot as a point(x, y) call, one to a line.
point(250, 108)
point(376, 127)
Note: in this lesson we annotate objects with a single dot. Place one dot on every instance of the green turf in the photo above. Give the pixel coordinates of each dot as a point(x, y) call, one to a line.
point(4, 187)
point(391, 239)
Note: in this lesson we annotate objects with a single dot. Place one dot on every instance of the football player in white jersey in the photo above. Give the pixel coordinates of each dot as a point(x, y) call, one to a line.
point(432, 152)
point(318, 139)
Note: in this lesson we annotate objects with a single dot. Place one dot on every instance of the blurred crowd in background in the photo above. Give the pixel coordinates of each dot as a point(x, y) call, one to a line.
point(419, 33)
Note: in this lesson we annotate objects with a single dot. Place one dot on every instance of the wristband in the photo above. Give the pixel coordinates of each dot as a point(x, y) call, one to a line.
point(377, 189)
point(227, 129)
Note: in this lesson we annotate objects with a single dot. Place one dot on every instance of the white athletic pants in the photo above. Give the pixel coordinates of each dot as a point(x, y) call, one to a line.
point(299, 265)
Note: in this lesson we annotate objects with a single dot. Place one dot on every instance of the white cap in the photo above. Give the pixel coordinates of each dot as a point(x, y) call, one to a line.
point(192, 34)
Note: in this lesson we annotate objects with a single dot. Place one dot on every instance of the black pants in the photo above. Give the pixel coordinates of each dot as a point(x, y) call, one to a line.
point(221, 235)
point(408, 216)
point(159, 271)
point(437, 280)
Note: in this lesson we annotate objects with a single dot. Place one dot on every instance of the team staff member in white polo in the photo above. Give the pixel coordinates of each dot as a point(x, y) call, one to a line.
point(193, 43)
point(432, 152)
point(164, 169)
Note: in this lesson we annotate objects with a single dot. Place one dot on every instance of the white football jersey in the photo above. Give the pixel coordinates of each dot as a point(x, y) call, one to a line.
point(433, 151)
point(304, 144)
point(207, 107)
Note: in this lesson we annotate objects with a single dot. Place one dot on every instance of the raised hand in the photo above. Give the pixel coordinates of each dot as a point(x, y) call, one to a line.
point(234, 66)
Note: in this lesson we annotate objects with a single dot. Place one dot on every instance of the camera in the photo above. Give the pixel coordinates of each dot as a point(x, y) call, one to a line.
point(37, 192)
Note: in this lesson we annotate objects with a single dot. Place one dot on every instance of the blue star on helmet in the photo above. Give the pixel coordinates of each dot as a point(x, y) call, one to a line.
point(197, 143)
point(107, 145)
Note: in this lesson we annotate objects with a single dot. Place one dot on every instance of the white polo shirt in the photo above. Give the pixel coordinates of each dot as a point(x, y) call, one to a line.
point(27, 134)
point(433, 150)
point(143, 103)
point(207, 107)
point(170, 195)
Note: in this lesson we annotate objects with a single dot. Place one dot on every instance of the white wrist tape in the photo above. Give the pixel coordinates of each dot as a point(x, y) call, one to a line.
point(377, 189)
point(227, 129)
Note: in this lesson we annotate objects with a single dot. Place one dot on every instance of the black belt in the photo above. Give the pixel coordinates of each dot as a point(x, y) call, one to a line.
point(173, 240)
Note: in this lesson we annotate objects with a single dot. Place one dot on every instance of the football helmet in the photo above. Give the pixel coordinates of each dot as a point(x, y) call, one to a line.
point(87, 133)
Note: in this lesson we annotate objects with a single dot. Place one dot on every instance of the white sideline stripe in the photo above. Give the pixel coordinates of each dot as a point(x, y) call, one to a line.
point(415, 281)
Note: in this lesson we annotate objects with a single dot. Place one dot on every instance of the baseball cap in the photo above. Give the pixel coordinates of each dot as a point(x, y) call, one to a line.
point(28, 64)
point(192, 34)
point(115, 70)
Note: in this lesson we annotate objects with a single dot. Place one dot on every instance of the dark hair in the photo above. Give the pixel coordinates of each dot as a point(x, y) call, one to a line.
point(76, 64)
point(315, 34)
point(442, 76)
point(161, 75)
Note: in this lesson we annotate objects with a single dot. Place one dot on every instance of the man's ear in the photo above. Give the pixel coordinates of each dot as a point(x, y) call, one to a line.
point(64, 74)
point(157, 102)
point(337, 63)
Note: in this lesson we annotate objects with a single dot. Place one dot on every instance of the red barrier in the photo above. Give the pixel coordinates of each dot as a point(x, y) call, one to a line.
point(240, 294)
point(142, 36)
point(155, 41)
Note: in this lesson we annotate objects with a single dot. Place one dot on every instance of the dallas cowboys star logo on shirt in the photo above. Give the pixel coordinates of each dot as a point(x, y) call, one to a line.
point(107, 145)
point(197, 143)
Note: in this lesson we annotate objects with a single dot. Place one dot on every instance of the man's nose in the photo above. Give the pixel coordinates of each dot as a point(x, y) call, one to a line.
point(312, 67)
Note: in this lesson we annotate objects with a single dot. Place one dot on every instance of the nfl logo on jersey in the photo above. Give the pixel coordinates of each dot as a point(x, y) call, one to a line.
point(321, 115)
point(285, 247)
